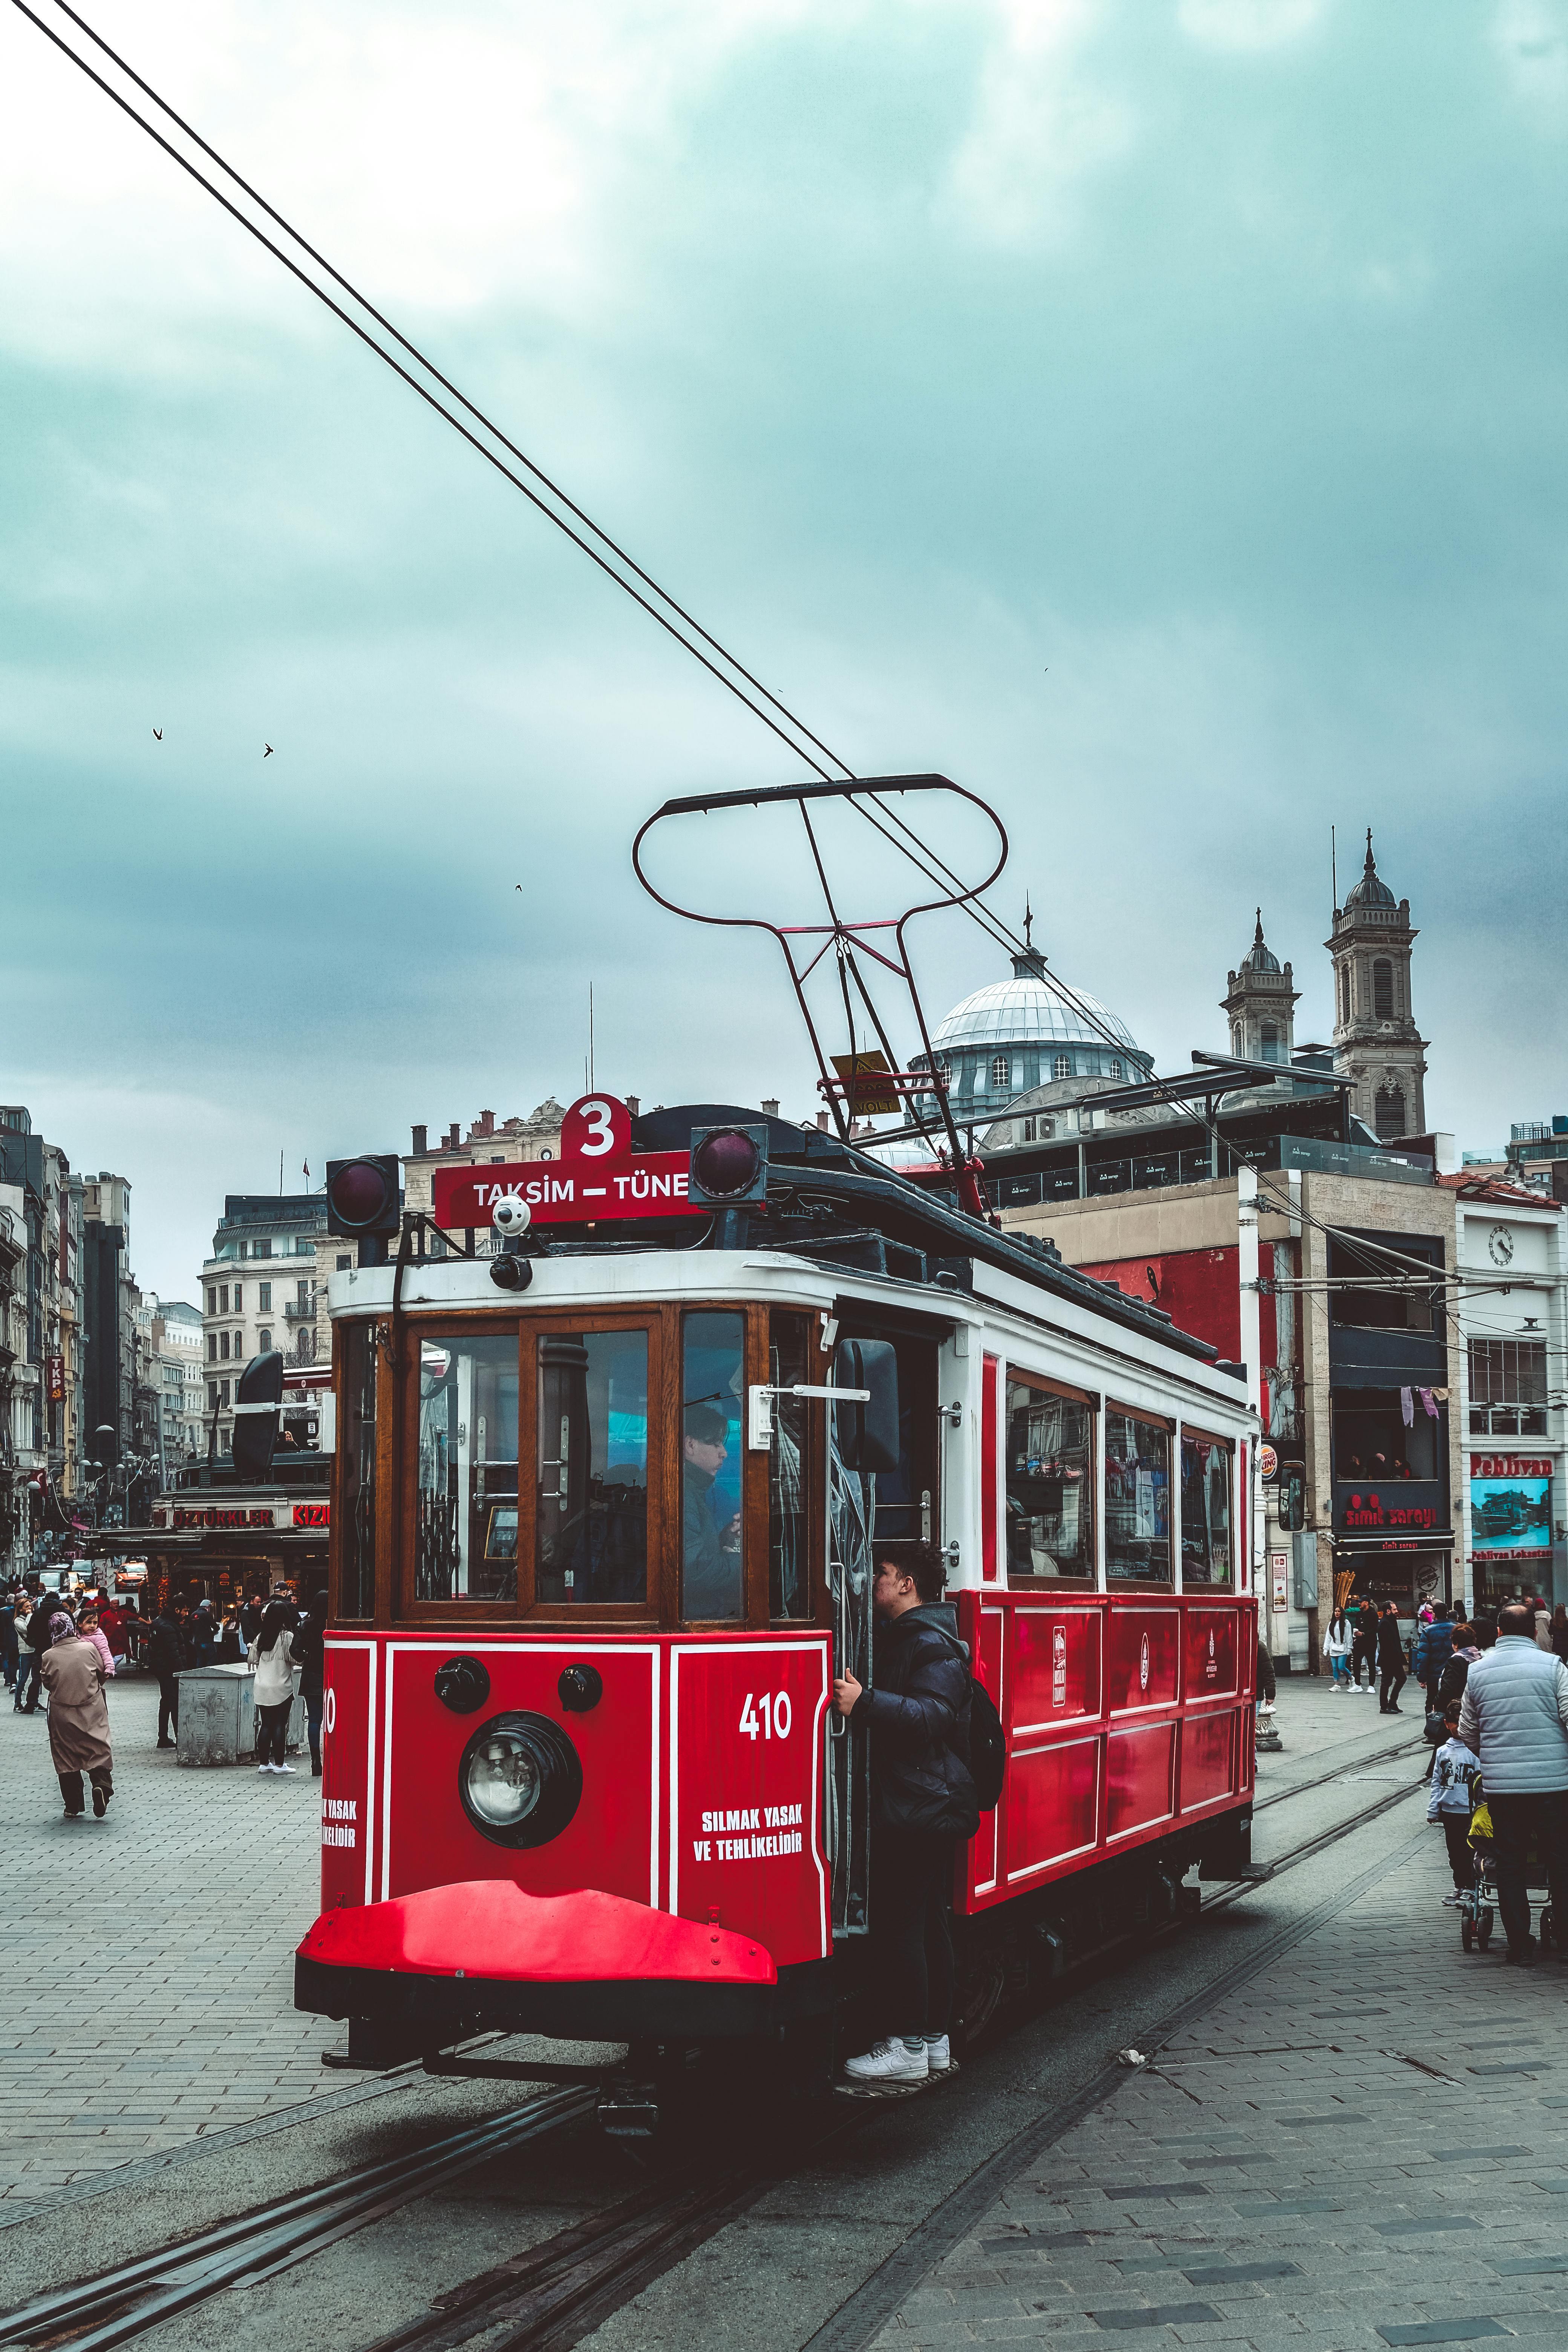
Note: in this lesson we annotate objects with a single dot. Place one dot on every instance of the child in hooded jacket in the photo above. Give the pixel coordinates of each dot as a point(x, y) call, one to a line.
point(1455, 1770)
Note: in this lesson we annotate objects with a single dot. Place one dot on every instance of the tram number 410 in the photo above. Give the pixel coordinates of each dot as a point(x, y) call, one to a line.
point(770, 1715)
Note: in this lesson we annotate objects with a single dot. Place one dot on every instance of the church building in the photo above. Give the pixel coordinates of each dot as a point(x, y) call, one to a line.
point(1376, 1041)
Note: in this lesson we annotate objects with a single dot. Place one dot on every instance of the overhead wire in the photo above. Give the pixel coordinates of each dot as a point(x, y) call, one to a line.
point(388, 359)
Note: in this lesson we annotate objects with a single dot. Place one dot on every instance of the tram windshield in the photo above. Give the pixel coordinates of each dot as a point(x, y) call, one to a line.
point(466, 1507)
point(591, 1487)
point(713, 1373)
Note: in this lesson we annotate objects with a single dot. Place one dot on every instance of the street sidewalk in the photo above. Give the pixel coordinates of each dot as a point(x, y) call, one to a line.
point(1362, 2142)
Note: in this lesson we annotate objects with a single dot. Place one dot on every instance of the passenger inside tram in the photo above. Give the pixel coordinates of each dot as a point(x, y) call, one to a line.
point(711, 1551)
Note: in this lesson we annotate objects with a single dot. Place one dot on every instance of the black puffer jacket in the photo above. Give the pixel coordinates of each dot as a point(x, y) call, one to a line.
point(918, 1709)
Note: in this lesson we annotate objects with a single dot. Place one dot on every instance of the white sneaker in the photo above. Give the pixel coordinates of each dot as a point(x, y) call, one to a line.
point(939, 2054)
point(264, 1768)
point(282, 1768)
point(1452, 1902)
point(889, 2062)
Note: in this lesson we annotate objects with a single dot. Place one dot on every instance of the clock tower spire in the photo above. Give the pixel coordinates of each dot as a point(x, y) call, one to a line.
point(1376, 1041)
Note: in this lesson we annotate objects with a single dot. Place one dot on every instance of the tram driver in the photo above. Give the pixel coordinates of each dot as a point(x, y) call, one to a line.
point(711, 1553)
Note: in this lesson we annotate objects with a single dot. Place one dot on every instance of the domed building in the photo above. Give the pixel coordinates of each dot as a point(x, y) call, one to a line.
point(1023, 1033)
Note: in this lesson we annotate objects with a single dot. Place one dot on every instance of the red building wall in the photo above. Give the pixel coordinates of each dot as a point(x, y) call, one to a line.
point(1200, 1290)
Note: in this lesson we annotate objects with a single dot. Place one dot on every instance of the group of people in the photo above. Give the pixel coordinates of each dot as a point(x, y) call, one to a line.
point(1444, 1648)
point(1507, 1742)
point(72, 1647)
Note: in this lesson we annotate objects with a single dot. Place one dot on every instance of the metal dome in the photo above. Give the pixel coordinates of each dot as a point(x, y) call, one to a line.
point(1371, 890)
point(1026, 1011)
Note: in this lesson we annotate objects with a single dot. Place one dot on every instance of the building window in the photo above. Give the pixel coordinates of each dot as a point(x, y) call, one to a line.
point(223, 1392)
point(264, 1342)
point(223, 1345)
point(1345, 993)
point(264, 1296)
point(1271, 1037)
point(1382, 990)
point(261, 1249)
point(1001, 1070)
point(943, 1068)
point(345, 1265)
point(1389, 1113)
point(1062, 1066)
point(302, 1296)
point(1508, 1388)
point(1395, 1297)
point(240, 1347)
point(212, 1347)
point(1115, 1068)
point(223, 1300)
point(212, 1302)
point(212, 1396)
point(238, 1299)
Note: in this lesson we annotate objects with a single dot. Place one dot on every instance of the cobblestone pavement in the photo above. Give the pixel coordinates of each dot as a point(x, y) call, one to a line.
point(148, 1958)
point(1364, 2143)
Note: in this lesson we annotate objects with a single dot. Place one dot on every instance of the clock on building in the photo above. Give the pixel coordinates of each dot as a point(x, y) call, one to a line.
point(1500, 1246)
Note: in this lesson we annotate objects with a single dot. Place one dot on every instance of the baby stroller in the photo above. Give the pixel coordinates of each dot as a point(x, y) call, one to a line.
point(1477, 1909)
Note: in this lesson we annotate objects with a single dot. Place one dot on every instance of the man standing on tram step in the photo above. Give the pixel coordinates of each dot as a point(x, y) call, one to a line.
point(165, 1653)
point(1514, 1715)
point(1392, 1675)
point(710, 1555)
point(923, 1805)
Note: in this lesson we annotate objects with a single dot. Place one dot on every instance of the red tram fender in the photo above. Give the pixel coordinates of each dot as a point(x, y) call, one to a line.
point(489, 1928)
point(482, 1952)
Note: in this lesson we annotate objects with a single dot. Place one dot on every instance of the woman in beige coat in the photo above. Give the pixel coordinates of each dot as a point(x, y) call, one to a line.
point(72, 1673)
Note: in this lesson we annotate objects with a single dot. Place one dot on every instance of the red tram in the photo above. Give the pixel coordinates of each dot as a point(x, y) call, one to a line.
point(600, 1533)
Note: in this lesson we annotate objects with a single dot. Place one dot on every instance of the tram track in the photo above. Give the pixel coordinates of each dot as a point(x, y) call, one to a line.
point(548, 2297)
point(1344, 1771)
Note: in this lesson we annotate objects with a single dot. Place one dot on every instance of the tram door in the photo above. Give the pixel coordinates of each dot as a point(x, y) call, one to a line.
point(871, 1514)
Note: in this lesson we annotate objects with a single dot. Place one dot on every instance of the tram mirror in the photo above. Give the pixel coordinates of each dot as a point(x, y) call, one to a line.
point(258, 1394)
point(867, 1434)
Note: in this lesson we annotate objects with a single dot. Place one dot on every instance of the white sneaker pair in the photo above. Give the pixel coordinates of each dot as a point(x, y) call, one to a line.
point(275, 1768)
point(889, 2062)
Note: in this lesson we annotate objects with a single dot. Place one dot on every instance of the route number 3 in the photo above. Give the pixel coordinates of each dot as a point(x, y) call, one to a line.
point(772, 1715)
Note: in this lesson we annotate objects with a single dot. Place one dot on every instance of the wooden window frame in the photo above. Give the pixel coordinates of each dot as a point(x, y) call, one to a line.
point(818, 1609)
point(1167, 1424)
point(1229, 1445)
point(1025, 1581)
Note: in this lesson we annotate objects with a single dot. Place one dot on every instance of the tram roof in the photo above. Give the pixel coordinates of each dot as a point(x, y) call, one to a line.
point(830, 1204)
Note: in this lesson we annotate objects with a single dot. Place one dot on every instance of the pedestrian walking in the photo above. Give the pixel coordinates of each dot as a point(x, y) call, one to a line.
point(9, 1645)
point(26, 1656)
point(310, 1657)
point(923, 1802)
point(251, 1614)
point(1455, 1768)
point(167, 1655)
point(203, 1632)
point(40, 1635)
point(1338, 1644)
point(1559, 1632)
point(112, 1625)
point(1514, 1715)
point(1461, 1658)
point(272, 1658)
point(1364, 1649)
point(73, 1674)
point(1392, 1675)
point(1433, 1647)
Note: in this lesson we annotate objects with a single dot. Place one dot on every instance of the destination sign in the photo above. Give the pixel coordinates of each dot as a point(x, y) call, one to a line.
point(598, 1176)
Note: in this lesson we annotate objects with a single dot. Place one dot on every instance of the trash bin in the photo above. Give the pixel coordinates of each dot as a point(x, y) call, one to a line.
point(217, 1715)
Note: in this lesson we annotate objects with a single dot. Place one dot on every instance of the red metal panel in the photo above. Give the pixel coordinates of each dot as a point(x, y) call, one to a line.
point(986, 1630)
point(348, 1772)
point(1138, 1790)
point(1052, 1804)
point(1207, 1745)
point(990, 1449)
point(611, 1841)
point(495, 1931)
point(1143, 1647)
point(1209, 1667)
point(746, 1789)
point(1055, 1661)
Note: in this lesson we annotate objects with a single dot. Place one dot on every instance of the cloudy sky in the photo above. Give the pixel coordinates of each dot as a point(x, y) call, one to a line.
point(1152, 416)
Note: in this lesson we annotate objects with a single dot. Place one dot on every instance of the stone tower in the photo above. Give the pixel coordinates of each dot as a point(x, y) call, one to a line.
point(1260, 1006)
point(1376, 1041)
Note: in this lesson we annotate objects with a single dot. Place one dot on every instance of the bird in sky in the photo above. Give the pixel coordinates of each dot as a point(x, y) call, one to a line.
point(267, 752)
point(157, 734)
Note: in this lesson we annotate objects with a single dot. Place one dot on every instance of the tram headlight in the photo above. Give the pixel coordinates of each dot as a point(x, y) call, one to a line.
point(520, 1779)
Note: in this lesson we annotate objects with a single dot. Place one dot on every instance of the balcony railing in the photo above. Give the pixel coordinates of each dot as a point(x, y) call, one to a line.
point(298, 1310)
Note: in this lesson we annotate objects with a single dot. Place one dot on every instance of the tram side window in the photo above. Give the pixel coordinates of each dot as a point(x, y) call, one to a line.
point(1137, 1500)
point(712, 1369)
point(1050, 1486)
point(789, 1471)
point(591, 1495)
point(356, 1555)
point(1207, 1489)
point(466, 1507)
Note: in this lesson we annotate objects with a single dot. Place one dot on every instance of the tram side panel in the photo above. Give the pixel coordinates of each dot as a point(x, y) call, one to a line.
point(349, 1750)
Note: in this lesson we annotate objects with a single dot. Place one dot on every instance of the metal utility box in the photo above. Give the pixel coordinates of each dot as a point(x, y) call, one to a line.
point(217, 1715)
point(1304, 1569)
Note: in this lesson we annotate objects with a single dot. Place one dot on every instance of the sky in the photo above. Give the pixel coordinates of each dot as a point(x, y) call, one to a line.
point(1150, 416)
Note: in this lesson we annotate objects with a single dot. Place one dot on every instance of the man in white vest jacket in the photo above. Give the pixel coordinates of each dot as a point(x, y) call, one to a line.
point(1515, 1717)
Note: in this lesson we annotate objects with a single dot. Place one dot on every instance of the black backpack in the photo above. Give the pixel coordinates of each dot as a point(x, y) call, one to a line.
point(987, 1740)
